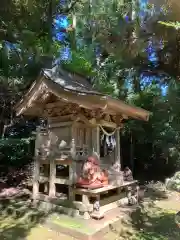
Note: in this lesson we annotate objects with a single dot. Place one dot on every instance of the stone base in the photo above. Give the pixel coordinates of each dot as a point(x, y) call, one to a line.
point(90, 229)
point(97, 215)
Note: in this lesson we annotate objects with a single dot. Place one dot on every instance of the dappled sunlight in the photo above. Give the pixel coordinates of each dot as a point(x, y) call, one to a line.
point(155, 191)
point(147, 222)
point(150, 220)
point(43, 233)
point(155, 222)
point(17, 218)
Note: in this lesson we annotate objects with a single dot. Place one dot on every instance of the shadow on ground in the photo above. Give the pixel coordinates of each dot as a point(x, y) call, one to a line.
point(17, 217)
point(155, 223)
point(20, 220)
point(149, 220)
point(146, 222)
point(156, 192)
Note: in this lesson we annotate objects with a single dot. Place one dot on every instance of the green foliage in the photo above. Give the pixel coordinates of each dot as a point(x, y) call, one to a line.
point(174, 182)
point(116, 72)
point(175, 25)
point(156, 151)
point(79, 64)
point(16, 152)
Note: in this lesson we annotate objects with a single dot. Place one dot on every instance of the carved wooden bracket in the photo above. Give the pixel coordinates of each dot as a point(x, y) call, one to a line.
point(89, 117)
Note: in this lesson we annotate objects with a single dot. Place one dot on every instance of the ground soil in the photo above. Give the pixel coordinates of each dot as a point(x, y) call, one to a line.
point(152, 220)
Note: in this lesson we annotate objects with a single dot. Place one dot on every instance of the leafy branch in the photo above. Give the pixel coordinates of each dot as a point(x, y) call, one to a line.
point(175, 25)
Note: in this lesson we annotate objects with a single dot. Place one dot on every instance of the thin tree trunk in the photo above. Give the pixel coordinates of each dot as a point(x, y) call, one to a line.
point(6, 126)
point(136, 84)
point(51, 8)
point(131, 152)
point(73, 33)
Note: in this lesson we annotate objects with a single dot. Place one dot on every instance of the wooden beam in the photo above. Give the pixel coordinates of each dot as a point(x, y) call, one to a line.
point(36, 179)
point(89, 140)
point(33, 110)
point(81, 117)
point(32, 93)
point(102, 122)
point(72, 169)
point(60, 124)
point(52, 179)
point(59, 180)
point(36, 167)
point(96, 139)
point(46, 172)
point(56, 104)
point(95, 192)
point(81, 137)
point(57, 161)
point(108, 124)
point(81, 125)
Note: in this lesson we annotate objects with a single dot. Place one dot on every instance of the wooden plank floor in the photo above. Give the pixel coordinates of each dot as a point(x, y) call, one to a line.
point(103, 189)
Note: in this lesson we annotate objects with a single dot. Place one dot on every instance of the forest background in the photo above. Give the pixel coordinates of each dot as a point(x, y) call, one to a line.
point(129, 49)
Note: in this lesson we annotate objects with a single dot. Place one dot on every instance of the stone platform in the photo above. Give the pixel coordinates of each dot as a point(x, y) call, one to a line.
point(81, 229)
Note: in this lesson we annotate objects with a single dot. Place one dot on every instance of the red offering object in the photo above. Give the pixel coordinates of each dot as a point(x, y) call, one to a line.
point(92, 175)
point(91, 186)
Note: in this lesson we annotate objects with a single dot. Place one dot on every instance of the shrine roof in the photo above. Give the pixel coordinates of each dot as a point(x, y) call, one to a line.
point(72, 88)
point(69, 81)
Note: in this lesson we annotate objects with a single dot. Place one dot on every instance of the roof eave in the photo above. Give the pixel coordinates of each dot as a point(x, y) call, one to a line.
point(128, 110)
point(25, 98)
point(100, 101)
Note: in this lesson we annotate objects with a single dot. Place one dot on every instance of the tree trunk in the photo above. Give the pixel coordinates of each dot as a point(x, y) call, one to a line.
point(136, 84)
point(131, 152)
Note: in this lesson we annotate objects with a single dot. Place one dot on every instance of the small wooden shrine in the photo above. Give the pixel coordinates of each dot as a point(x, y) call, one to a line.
point(82, 137)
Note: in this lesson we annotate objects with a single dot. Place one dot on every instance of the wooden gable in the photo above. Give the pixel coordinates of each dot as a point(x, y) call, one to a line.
point(60, 87)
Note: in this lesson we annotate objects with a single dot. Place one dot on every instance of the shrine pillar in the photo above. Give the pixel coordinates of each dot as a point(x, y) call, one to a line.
point(96, 140)
point(36, 172)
